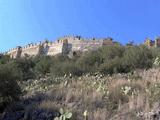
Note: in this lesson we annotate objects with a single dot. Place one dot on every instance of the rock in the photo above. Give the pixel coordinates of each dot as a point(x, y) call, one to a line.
point(155, 115)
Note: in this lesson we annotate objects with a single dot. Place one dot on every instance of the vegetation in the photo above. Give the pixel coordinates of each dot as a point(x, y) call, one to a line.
point(43, 65)
point(97, 97)
point(96, 85)
point(9, 89)
point(106, 60)
point(64, 115)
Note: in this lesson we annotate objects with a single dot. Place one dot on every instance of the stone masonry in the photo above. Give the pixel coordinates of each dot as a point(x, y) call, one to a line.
point(65, 45)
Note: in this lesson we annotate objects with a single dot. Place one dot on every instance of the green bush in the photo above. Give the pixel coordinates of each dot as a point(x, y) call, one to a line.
point(65, 68)
point(9, 89)
point(110, 52)
point(4, 59)
point(155, 52)
point(137, 57)
point(25, 66)
point(107, 60)
point(89, 62)
point(112, 59)
point(42, 67)
point(112, 66)
point(118, 59)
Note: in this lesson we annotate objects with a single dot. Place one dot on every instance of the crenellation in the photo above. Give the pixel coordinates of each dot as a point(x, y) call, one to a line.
point(152, 43)
point(64, 45)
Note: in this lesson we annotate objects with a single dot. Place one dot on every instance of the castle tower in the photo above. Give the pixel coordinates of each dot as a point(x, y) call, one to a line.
point(108, 41)
point(65, 49)
point(157, 42)
point(45, 47)
point(149, 43)
point(19, 51)
point(15, 53)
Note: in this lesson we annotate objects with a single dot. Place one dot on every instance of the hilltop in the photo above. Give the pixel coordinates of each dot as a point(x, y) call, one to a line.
point(64, 45)
point(69, 45)
point(111, 82)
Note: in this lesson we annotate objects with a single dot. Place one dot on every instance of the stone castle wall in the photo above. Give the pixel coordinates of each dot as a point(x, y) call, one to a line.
point(63, 45)
point(80, 44)
point(53, 48)
point(152, 43)
point(14, 53)
point(31, 50)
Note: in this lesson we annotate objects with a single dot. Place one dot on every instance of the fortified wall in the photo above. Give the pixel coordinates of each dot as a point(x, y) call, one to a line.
point(152, 43)
point(65, 45)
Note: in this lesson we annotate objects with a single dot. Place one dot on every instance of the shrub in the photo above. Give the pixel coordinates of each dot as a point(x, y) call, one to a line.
point(111, 59)
point(43, 65)
point(110, 52)
point(112, 66)
point(107, 60)
point(65, 68)
point(25, 66)
point(155, 52)
point(90, 61)
point(9, 89)
point(4, 59)
point(118, 59)
point(137, 57)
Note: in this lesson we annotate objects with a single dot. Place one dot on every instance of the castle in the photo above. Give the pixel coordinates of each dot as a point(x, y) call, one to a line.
point(65, 45)
point(152, 43)
point(68, 45)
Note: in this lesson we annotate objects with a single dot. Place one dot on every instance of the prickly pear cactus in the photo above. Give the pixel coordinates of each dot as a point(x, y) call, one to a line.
point(65, 115)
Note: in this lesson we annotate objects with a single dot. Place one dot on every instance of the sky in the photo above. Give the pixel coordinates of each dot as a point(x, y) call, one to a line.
point(30, 21)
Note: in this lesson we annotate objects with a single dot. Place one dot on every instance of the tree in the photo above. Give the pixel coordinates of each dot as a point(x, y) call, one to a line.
point(9, 89)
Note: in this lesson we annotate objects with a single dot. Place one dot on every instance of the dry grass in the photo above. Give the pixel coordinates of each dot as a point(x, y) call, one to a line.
point(108, 103)
point(49, 105)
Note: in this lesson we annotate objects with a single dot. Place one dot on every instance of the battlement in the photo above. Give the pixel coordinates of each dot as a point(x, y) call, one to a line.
point(63, 45)
point(152, 43)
